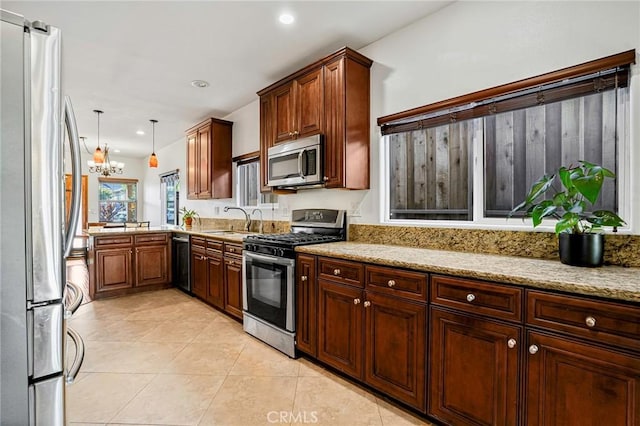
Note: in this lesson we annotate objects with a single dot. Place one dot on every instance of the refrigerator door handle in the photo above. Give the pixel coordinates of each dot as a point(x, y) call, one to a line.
point(76, 174)
point(71, 307)
point(79, 358)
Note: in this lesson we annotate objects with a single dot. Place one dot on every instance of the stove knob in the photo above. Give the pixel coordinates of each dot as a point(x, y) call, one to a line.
point(281, 252)
point(274, 251)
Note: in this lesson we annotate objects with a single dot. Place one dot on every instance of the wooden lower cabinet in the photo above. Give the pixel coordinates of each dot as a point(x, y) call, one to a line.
point(474, 367)
point(306, 305)
point(215, 283)
point(152, 265)
point(573, 383)
point(395, 347)
point(340, 334)
point(199, 274)
point(233, 286)
point(113, 269)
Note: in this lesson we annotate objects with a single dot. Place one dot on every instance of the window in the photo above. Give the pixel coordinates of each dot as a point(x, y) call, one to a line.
point(476, 159)
point(170, 196)
point(118, 200)
point(248, 183)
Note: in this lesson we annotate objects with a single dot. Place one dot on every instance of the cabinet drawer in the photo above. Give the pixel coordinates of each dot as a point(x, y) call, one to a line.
point(113, 241)
point(342, 271)
point(479, 297)
point(198, 242)
point(395, 281)
point(151, 239)
point(214, 245)
point(233, 249)
point(606, 322)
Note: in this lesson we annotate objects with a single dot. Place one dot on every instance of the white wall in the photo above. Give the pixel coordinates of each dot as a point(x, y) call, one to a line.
point(465, 47)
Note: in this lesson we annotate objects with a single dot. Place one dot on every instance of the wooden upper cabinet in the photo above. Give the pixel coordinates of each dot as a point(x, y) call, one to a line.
point(209, 168)
point(329, 97)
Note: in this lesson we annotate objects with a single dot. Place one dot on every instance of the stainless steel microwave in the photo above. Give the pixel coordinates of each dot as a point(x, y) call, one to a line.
point(296, 163)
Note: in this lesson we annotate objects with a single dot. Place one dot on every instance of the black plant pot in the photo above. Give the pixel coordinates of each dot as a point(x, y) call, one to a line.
point(582, 249)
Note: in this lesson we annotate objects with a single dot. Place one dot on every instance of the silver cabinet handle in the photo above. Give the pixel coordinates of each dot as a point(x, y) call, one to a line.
point(367, 304)
point(336, 272)
point(590, 321)
point(533, 349)
point(79, 358)
point(356, 301)
point(391, 283)
point(471, 297)
point(511, 343)
point(303, 278)
point(72, 307)
point(76, 175)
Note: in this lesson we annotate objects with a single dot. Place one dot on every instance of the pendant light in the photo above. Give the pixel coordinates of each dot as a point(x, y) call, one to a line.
point(98, 155)
point(153, 160)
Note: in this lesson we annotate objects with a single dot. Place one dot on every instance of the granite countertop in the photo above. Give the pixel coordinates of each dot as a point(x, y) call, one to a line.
point(218, 234)
point(612, 282)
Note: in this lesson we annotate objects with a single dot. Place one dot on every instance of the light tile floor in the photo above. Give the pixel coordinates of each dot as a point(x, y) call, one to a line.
point(164, 358)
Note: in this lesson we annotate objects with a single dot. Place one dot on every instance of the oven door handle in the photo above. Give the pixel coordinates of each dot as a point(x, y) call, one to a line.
point(271, 259)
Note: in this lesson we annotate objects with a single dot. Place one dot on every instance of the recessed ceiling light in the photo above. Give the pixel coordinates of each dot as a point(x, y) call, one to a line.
point(200, 84)
point(139, 132)
point(286, 18)
point(116, 151)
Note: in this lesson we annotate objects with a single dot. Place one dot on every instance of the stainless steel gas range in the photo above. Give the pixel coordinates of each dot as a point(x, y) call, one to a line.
point(269, 274)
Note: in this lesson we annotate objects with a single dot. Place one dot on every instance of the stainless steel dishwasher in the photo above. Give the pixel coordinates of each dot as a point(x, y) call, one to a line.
point(181, 262)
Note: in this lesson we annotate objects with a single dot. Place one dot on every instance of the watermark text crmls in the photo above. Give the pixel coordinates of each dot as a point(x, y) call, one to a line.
point(292, 417)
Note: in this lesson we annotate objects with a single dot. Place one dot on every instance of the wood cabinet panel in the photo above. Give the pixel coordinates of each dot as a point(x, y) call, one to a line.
point(334, 164)
point(152, 265)
point(266, 138)
point(605, 322)
point(283, 112)
point(342, 271)
point(340, 333)
point(193, 165)
point(204, 162)
point(474, 371)
point(396, 282)
point(309, 104)
point(233, 286)
point(306, 305)
point(115, 241)
point(571, 383)
point(395, 348)
point(215, 284)
point(199, 273)
point(113, 269)
point(478, 297)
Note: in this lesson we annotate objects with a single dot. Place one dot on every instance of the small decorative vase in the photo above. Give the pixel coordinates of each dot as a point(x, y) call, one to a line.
point(581, 249)
point(188, 221)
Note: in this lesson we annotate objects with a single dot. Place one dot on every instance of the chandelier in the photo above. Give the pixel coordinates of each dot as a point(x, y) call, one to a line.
point(101, 162)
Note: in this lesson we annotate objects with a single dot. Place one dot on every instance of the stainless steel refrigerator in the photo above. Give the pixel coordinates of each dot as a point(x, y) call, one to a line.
point(36, 234)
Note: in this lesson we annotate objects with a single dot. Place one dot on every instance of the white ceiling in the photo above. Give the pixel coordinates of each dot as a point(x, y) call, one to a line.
point(135, 59)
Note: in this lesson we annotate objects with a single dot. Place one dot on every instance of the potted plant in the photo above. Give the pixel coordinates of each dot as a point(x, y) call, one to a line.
point(188, 216)
point(579, 230)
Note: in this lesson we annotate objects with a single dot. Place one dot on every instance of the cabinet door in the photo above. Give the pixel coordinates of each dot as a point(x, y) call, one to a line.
point(572, 383)
point(340, 333)
point(395, 348)
point(204, 165)
point(192, 166)
point(306, 305)
point(474, 370)
point(199, 280)
point(113, 269)
point(152, 265)
point(266, 139)
point(309, 104)
point(283, 113)
point(233, 286)
point(334, 109)
point(215, 287)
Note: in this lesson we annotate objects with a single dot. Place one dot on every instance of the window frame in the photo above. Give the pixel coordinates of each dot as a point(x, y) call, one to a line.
point(476, 156)
point(126, 181)
point(243, 160)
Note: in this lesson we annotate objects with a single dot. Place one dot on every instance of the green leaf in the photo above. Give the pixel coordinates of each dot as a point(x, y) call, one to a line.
point(565, 177)
point(542, 210)
point(539, 188)
point(568, 222)
point(589, 186)
point(559, 199)
point(578, 207)
point(605, 218)
point(518, 207)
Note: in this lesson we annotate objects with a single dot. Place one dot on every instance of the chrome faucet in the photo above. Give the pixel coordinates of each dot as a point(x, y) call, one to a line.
point(247, 222)
point(260, 228)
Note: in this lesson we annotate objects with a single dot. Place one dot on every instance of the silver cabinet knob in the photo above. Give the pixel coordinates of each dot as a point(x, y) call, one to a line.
point(533, 349)
point(590, 321)
point(356, 301)
point(367, 304)
point(391, 283)
point(471, 297)
point(511, 343)
point(303, 278)
point(336, 272)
